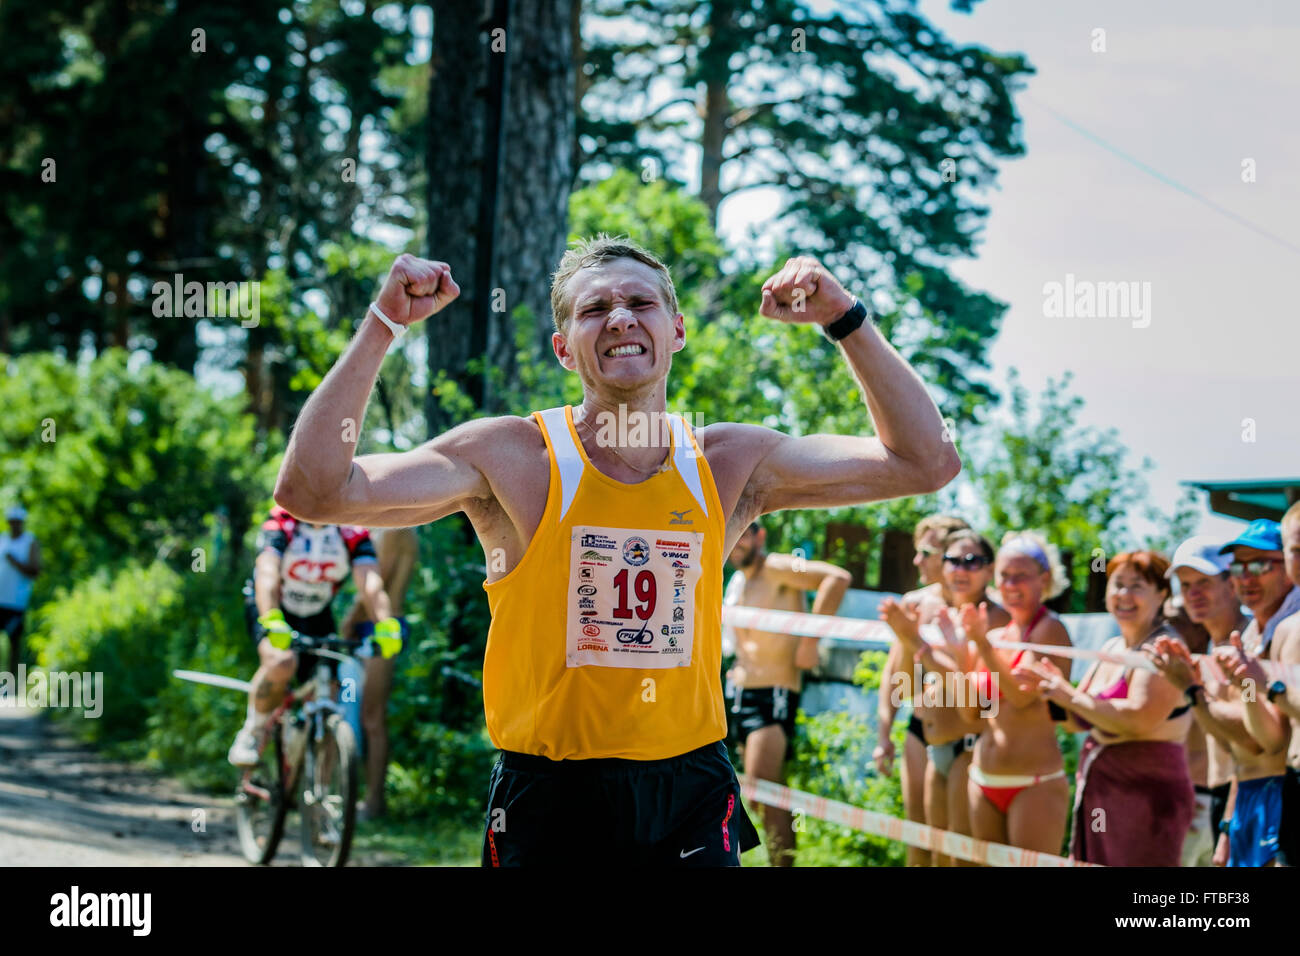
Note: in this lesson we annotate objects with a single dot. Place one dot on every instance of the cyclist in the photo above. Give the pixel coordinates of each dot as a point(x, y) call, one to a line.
point(299, 568)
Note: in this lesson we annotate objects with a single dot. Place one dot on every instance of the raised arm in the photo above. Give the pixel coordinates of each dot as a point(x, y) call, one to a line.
point(910, 453)
point(320, 480)
point(830, 583)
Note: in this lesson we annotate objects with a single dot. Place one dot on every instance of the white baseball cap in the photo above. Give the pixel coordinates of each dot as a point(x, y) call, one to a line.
point(1200, 553)
point(16, 513)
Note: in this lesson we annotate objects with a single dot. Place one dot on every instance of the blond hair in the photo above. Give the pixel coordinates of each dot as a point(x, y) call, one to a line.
point(944, 524)
point(594, 251)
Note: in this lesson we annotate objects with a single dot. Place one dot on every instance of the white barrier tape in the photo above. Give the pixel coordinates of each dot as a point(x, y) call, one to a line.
point(216, 680)
point(892, 828)
point(878, 636)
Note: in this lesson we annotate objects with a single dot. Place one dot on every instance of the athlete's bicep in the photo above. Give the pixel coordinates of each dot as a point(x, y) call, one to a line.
point(828, 471)
point(414, 486)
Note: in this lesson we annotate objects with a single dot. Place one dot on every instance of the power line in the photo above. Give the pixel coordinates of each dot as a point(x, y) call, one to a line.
point(1168, 181)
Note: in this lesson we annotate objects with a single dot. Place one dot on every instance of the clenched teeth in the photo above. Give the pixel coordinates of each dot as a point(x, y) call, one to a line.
point(624, 350)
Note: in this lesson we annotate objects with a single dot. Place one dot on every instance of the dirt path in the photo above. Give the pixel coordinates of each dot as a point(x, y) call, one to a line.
point(63, 805)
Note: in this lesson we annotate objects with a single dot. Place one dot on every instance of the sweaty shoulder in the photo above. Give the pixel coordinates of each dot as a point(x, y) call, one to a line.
point(733, 450)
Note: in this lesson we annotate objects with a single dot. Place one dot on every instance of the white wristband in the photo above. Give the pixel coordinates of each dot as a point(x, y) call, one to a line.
point(397, 330)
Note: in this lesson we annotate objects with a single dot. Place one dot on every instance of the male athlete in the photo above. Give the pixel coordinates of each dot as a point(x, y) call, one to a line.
point(299, 568)
point(605, 545)
point(767, 674)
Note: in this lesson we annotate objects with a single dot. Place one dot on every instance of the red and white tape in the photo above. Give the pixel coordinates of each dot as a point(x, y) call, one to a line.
point(892, 828)
point(877, 635)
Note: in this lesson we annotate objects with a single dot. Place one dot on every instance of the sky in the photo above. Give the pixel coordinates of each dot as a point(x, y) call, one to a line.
point(1189, 89)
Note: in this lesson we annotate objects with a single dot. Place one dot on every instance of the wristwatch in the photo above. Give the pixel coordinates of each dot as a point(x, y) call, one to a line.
point(1275, 688)
point(846, 323)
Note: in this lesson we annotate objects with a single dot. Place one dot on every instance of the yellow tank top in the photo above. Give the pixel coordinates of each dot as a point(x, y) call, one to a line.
point(606, 638)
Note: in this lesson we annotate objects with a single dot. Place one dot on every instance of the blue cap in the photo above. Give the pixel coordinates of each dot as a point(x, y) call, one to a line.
point(1262, 534)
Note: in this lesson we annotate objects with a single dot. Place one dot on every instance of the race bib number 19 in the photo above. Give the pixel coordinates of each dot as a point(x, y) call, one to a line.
point(631, 597)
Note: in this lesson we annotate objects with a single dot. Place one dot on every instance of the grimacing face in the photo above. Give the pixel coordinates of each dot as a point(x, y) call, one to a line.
point(621, 334)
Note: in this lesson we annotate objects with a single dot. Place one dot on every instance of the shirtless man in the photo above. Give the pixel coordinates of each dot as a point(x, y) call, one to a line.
point(1209, 601)
point(592, 683)
point(767, 671)
point(928, 540)
point(1198, 848)
point(1272, 715)
point(1260, 583)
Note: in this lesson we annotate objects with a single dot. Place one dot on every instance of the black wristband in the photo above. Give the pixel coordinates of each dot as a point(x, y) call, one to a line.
point(1055, 711)
point(1190, 693)
point(846, 323)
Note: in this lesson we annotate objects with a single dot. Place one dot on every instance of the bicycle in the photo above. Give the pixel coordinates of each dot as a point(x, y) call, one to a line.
point(307, 756)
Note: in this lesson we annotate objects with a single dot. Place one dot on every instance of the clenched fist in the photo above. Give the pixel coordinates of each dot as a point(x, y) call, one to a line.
point(416, 288)
point(803, 291)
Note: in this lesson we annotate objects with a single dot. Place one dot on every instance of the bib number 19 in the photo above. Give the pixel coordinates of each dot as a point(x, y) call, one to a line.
point(645, 588)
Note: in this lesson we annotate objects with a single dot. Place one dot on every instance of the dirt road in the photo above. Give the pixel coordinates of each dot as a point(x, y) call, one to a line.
point(63, 805)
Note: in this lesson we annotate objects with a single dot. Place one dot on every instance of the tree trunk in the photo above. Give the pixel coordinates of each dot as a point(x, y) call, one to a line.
point(537, 173)
point(454, 149)
point(536, 176)
point(716, 69)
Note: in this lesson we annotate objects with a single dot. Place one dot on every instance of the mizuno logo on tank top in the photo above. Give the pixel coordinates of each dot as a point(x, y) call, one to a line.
point(605, 639)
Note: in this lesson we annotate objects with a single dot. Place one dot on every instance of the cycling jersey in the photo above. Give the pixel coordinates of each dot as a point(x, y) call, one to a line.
point(315, 560)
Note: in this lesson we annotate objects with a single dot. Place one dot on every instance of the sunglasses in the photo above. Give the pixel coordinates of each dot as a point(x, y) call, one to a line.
point(970, 562)
point(1239, 569)
point(927, 552)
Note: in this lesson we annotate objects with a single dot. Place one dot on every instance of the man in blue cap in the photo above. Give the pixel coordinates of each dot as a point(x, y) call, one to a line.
point(1273, 714)
point(1259, 576)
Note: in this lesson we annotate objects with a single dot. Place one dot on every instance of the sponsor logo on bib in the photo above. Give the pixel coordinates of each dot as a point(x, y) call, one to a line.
point(636, 551)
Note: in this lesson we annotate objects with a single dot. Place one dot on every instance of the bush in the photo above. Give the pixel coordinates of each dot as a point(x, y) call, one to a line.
point(833, 759)
point(115, 622)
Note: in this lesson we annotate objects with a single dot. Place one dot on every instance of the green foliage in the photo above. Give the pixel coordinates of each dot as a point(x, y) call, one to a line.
point(879, 143)
point(669, 222)
point(833, 759)
point(117, 623)
point(1041, 469)
point(121, 459)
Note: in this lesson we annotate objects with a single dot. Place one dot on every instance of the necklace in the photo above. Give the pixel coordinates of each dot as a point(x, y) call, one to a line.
point(636, 468)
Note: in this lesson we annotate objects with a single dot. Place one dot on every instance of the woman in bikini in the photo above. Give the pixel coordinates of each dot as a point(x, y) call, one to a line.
point(1017, 791)
point(950, 729)
point(897, 676)
point(1133, 794)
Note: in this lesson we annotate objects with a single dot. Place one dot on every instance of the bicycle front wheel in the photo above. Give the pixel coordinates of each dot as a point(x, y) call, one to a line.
point(260, 805)
point(328, 806)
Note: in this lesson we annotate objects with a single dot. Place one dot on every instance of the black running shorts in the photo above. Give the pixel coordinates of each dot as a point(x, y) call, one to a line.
point(761, 707)
point(681, 811)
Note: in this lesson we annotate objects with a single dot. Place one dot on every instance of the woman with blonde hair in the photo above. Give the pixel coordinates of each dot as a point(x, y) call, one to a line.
point(1017, 788)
